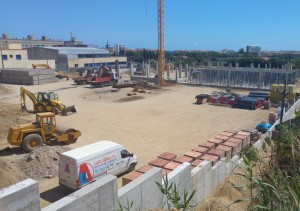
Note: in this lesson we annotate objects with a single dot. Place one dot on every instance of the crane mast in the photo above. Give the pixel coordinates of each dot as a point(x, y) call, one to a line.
point(161, 53)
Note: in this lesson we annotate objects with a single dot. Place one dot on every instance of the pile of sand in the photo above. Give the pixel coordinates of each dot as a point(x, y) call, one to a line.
point(42, 163)
point(9, 174)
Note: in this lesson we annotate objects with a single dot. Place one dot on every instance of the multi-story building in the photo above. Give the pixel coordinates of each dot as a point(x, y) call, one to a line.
point(67, 58)
point(253, 49)
point(30, 41)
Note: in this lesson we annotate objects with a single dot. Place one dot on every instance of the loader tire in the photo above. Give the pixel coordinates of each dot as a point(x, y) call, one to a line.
point(71, 140)
point(31, 142)
point(40, 108)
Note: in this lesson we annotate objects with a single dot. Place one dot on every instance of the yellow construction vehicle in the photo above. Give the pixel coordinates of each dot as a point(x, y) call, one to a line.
point(45, 102)
point(40, 66)
point(43, 130)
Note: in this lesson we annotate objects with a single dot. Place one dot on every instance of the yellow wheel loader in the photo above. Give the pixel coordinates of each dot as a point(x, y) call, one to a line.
point(43, 130)
point(45, 102)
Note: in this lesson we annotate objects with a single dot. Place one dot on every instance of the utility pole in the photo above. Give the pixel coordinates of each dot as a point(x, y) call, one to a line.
point(283, 101)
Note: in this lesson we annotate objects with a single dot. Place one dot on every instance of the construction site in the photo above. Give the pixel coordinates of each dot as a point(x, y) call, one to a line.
point(148, 123)
point(190, 124)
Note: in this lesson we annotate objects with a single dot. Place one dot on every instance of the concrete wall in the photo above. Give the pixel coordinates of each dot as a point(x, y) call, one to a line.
point(286, 116)
point(21, 196)
point(100, 195)
point(181, 176)
point(143, 191)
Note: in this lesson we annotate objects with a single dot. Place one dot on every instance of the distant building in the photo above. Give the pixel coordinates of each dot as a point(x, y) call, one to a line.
point(30, 41)
point(120, 50)
point(13, 56)
point(67, 58)
point(253, 49)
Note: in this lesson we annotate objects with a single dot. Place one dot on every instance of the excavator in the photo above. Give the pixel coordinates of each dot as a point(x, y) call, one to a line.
point(45, 102)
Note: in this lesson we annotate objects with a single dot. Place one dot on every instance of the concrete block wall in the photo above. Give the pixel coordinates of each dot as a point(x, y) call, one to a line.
point(21, 196)
point(24, 76)
point(198, 181)
point(99, 195)
point(181, 176)
point(143, 191)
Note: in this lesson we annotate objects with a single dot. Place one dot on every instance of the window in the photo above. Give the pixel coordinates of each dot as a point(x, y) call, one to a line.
point(18, 57)
point(4, 57)
point(125, 153)
point(76, 65)
point(10, 56)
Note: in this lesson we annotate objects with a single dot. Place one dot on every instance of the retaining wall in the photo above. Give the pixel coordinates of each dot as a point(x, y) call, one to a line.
point(143, 192)
point(286, 116)
point(99, 195)
point(21, 196)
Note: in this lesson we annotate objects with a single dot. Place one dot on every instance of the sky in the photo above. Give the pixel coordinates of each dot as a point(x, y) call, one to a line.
point(188, 25)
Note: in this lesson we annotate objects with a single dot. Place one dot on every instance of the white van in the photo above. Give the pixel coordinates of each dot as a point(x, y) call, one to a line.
point(85, 164)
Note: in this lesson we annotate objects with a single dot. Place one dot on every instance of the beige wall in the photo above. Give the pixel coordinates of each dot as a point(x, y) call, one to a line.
point(12, 46)
point(81, 62)
point(12, 61)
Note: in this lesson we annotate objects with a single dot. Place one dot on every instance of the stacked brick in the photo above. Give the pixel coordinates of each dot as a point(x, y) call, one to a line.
point(23, 76)
point(227, 144)
point(254, 134)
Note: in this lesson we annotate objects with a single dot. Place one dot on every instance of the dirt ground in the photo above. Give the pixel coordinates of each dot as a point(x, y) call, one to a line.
point(147, 124)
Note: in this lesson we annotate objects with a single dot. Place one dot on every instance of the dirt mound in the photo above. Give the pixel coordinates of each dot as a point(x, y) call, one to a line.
point(129, 99)
point(42, 162)
point(9, 174)
point(4, 90)
point(10, 115)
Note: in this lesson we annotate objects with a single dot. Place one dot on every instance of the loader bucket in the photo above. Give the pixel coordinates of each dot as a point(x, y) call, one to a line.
point(68, 111)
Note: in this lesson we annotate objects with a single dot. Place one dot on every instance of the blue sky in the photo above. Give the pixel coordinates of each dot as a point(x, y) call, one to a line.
point(189, 24)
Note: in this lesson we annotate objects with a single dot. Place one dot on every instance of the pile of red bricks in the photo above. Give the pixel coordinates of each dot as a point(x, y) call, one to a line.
point(227, 144)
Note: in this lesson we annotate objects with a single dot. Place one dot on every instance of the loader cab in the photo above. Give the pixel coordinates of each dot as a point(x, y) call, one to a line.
point(47, 122)
point(46, 96)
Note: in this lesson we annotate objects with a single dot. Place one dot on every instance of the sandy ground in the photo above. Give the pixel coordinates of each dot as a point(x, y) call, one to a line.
point(147, 124)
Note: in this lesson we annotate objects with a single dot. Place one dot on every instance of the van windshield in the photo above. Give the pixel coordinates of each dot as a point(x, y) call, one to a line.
point(125, 153)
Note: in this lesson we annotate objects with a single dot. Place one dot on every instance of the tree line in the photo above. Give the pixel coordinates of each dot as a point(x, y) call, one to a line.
point(229, 58)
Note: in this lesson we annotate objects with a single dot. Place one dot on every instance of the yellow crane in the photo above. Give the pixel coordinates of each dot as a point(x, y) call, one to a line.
point(161, 52)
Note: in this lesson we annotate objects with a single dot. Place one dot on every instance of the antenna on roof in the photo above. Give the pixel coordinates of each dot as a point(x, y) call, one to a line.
point(107, 45)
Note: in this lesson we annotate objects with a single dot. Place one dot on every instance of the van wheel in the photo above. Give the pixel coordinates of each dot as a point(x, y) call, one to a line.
point(131, 167)
point(31, 142)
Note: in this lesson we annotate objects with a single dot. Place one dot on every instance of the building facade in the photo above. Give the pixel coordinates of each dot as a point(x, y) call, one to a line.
point(67, 58)
point(13, 56)
point(253, 49)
